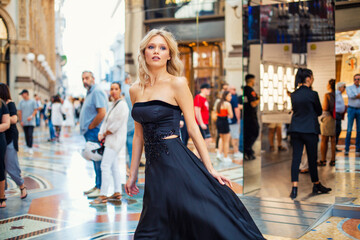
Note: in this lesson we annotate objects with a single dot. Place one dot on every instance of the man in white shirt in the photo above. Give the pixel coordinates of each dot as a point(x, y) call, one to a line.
point(353, 93)
point(340, 109)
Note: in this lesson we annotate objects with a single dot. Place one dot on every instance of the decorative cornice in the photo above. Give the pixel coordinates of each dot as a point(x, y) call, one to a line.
point(237, 51)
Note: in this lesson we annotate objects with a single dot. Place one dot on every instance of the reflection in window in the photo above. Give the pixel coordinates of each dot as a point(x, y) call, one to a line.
point(182, 8)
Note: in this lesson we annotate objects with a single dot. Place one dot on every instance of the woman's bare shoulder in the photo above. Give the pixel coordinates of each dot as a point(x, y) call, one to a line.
point(134, 90)
point(177, 82)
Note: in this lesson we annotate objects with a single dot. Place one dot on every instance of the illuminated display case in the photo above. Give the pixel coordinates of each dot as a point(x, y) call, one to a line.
point(277, 81)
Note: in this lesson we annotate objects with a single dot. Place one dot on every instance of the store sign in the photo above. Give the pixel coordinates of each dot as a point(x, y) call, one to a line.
point(342, 47)
point(167, 2)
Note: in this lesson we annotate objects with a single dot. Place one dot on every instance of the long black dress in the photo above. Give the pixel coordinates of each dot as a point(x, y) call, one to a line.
point(182, 200)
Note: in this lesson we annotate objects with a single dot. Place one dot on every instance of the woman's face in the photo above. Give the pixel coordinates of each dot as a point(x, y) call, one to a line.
point(228, 97)
point(157, 52)
point(309, 80)
point(115, 91)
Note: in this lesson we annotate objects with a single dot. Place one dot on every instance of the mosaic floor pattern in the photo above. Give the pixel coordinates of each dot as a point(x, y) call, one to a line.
point(56, 176)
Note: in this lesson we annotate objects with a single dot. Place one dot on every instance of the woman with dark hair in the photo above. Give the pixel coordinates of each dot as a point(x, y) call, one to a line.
point(328, 123)
point(224, 111)
point(4, 125)
point(57, 116)
point(12, 166)
point(112, 132)
point(304, 129)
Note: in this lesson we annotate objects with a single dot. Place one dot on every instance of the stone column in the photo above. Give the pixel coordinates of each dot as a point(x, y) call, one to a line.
point(233, 46)
point(134, 31)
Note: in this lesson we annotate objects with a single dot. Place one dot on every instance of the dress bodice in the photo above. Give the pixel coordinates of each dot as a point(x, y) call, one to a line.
point(159, 119)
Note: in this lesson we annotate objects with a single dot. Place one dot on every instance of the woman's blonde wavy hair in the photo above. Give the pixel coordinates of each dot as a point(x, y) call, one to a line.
point(174, 66)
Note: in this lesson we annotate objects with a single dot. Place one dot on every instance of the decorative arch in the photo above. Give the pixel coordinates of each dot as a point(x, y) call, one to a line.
point(9, 24)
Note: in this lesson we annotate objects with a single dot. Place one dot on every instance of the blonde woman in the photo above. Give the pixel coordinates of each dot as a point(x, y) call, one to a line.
point(184, 197)
point(224, 111)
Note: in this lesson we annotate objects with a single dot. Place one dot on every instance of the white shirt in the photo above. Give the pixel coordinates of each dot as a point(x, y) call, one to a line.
point(115, 121)
point(68, 110)
point(339, 102)
point(352, 91)
point(56, 114)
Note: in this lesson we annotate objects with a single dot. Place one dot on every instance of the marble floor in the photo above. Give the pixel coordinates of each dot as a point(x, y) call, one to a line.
point(56, 176)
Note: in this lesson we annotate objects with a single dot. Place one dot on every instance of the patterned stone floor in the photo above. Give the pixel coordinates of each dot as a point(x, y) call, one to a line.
point(56, 176)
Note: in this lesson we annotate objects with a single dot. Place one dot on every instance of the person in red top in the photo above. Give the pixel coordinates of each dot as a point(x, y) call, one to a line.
point(202, 111)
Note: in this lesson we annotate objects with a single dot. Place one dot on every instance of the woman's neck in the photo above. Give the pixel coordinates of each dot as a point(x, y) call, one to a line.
point(157, 74)
point(116, 99)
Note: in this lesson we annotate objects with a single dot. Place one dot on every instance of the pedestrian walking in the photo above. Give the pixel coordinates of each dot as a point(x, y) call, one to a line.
point(304, 129)
point(50, 124)
point(202, 115)
point(353, 111)
point(235, 123)
point(57, 117)
point(91, 116)
point(12, 166)
point(224, 112)
point(113, 132)
point(251, 124)
point(69, 111)
point(26, 113)
point(328, 123)
point(130, 121)
point(340, 109)
point(4, 125)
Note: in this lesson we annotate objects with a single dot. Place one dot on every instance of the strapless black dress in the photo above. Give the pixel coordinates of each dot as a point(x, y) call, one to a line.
point(182, 200)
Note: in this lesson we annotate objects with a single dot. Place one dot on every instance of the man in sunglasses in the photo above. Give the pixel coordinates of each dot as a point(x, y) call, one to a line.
point(353, 93)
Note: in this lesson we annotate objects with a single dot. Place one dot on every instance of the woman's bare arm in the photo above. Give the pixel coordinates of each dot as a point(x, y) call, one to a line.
point(13, 119)
point(5, 122)
point(184, 99)
point(230, 111)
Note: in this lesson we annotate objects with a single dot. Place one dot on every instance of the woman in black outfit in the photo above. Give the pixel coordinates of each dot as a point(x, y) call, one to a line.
point(4, 125)
point(304, 129)
point(12, 136)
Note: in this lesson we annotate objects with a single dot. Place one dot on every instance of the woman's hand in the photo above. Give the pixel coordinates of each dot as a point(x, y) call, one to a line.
point(130, 187)
point(100, 137)
point(222, 180)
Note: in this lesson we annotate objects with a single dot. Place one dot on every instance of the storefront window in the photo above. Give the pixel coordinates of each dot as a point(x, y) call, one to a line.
point(347, 49)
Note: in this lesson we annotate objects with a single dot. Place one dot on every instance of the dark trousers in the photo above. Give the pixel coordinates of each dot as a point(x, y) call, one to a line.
point(251, 132)
point(92, 135)
point(28, 130)
point(310, 140)
point(338, 126)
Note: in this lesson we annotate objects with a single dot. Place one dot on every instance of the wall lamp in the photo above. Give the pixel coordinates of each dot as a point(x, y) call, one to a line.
point(235, 4)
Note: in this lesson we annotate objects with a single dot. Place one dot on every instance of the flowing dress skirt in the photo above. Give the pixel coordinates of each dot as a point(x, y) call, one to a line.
point(182, 200)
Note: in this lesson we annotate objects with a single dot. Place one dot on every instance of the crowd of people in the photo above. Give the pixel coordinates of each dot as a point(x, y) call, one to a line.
point(137, 116)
